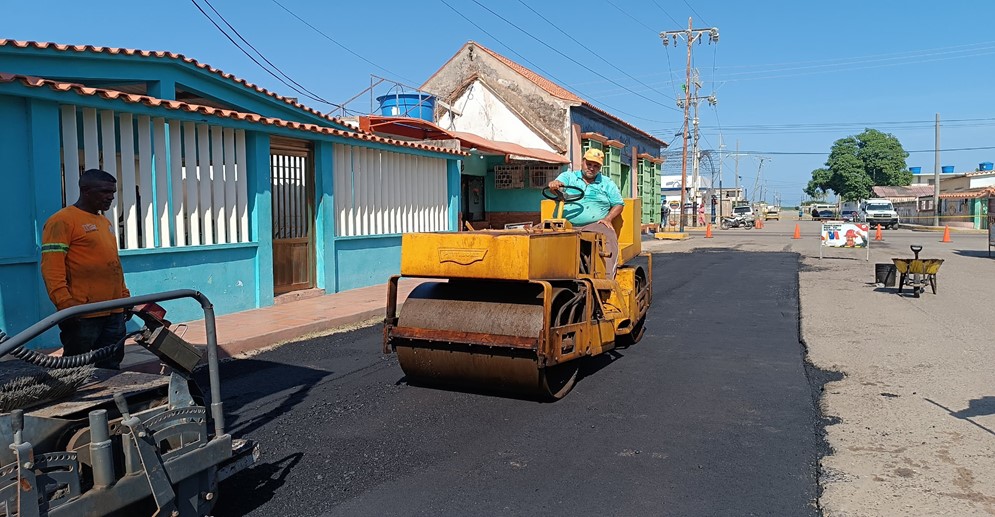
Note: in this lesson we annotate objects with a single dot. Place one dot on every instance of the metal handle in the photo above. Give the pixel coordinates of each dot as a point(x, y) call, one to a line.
point(210, 327)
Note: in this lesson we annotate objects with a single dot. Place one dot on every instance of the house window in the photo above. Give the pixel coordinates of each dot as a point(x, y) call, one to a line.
point(541, 175)
point(509, 177)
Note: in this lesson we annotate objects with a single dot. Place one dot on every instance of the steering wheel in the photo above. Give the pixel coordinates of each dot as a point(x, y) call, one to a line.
point(560, 195)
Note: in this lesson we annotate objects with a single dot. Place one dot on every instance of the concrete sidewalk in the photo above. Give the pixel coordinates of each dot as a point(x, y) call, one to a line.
point(256, 329)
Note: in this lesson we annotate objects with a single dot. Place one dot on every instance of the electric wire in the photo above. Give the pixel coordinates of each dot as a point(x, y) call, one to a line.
point(313, 95)
point(660, 7)
point(343, 47)
point(251, 57)
point(537, 67)
point(592, 51)
point(565, 56)
point(637, 20)
point(695, 12)
point(835, 65)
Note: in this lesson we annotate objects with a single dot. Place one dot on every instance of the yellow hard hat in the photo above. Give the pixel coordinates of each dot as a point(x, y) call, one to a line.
point(594, 155)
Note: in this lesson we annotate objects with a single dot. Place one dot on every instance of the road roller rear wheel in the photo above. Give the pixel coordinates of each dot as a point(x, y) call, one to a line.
point(557, 381)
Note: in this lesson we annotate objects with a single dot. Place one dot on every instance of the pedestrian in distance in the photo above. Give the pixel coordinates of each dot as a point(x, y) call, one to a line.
point(80, 264)
point(601, 205)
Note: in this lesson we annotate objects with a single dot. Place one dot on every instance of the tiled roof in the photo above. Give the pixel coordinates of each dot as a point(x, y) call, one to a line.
point(162, 55)
point(78, 89)
point(909, 191)
point(970, 193)
point(560, 92)
point(552, 88)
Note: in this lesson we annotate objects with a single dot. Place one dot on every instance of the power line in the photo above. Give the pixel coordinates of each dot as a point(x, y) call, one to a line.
point(660, 7)
point(537, 67)
point(313, 95)
point(840, 65)
point(637, 20)
point(578, 63)
point(592, 51)
point(343, 47)
point(800, 153)
point(256, 61)
point(695, 12)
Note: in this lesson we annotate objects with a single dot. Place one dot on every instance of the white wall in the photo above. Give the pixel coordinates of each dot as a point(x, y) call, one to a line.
point(483, 113)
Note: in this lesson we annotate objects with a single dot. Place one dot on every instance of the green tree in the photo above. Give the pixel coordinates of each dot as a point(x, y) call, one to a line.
point(858, 163)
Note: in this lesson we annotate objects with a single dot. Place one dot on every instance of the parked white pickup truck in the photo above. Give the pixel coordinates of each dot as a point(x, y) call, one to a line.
point(879, 211)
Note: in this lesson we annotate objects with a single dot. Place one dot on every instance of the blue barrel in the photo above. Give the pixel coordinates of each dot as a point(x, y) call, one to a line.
point(947, 169)
point(915, 170)
point(414, 105)
point(985, 166)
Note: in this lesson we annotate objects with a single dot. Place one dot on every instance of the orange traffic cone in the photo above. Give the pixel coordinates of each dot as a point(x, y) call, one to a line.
point(946, 234)
point(798, 232)
point(708, 231)
point(877, 234)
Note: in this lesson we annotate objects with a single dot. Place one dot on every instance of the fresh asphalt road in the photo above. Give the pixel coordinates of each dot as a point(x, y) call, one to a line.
point(710, 414)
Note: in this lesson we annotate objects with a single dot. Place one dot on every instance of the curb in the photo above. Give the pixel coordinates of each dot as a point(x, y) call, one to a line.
point(924, 228)
point(271, 339)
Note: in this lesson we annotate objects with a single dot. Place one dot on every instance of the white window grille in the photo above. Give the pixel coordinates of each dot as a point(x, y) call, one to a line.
point(179, 183)
point(384, 193)
point(541, 175)
point(509, 176)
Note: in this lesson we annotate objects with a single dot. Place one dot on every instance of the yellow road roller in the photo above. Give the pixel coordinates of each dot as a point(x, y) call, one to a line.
point(513, 310)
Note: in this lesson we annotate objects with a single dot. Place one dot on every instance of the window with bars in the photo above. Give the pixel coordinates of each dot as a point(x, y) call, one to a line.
point(509, 177)
point(541, 175)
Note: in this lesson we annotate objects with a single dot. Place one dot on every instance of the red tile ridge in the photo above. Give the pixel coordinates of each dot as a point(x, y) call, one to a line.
point(37, 82)
point(62, 47)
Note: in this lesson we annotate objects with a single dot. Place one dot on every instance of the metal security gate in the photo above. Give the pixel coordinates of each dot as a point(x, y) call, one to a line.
point(292, 175)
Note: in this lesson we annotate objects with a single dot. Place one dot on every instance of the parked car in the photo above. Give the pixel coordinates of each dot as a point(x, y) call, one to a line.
point(878, 211)
point(849, 215)
point(773, 212)
point(745, 211)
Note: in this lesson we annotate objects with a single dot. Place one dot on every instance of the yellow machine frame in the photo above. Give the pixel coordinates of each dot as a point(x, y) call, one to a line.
point(560, 265)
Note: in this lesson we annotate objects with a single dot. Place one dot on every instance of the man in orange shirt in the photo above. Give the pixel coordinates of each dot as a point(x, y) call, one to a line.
point(80, 264)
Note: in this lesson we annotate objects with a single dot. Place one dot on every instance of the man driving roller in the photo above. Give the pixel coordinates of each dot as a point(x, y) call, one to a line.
point(601, 204)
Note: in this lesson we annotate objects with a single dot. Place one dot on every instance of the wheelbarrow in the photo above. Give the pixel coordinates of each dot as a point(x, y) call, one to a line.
point(917, 273)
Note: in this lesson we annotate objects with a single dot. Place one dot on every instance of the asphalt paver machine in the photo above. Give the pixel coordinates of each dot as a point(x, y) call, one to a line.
point(515, 309)
point(78, 440)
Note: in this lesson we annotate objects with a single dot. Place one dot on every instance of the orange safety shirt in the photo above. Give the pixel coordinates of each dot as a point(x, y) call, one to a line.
point(79, 260)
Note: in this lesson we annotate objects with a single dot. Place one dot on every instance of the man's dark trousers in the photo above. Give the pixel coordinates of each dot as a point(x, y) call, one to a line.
point(81, 335)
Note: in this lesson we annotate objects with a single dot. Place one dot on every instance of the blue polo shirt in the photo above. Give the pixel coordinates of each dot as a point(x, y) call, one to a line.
point(599, 198)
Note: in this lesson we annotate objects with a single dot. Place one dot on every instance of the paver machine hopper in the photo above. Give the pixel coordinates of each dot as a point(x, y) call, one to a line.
point(78, 440)
point(515, 309)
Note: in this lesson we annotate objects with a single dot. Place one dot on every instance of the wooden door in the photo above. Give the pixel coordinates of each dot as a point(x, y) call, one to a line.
point(292, 180)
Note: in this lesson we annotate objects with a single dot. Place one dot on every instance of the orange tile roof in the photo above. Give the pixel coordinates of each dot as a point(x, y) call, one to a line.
point(558, 91)
point(163, 55)
point(78, 89)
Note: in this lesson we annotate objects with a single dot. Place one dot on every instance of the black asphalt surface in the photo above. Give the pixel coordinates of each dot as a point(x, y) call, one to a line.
point(711, 414)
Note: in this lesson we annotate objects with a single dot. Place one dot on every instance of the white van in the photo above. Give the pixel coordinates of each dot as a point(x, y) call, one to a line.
point(879, 211)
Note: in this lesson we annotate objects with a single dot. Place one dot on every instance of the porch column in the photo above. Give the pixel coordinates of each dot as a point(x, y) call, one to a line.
point(257, 175)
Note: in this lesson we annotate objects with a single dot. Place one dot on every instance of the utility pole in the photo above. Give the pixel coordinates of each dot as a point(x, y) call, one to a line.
point(721, 195)
point(936, 175)
point(737, 169)
point(690, 35)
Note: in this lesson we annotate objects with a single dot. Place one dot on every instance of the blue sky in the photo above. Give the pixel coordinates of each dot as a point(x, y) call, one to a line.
point(790, 77)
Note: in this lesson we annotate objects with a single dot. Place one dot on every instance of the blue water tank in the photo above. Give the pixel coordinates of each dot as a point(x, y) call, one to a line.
point(947, 169)
point(985, 166)
point(915, 170)
point(414, 105)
